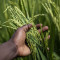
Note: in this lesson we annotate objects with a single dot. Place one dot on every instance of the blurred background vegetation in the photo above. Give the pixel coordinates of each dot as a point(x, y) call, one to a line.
point(30, 8)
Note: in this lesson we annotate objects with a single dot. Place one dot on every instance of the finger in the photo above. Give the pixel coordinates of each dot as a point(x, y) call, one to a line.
point(47, 38)
point(24, 51)
point(43, 29)
point(27, 27)
point(38, 26)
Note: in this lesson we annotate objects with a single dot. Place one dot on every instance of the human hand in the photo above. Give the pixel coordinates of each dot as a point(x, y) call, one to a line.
point(19, 38)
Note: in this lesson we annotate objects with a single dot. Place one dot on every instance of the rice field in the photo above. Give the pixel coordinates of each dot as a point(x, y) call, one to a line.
point(16, 13)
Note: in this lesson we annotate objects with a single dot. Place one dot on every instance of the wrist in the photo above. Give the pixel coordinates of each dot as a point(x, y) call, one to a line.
point(8, 50)
point(13, 48)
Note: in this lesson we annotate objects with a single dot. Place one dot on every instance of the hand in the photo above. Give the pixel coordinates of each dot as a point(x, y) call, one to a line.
point(45, 28)
point(19, 38)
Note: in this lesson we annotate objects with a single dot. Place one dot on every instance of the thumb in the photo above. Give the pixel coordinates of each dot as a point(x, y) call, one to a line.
point(27, 27)
point(24, 51)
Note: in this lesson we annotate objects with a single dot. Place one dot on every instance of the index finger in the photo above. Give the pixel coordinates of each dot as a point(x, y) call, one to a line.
point(38, 26)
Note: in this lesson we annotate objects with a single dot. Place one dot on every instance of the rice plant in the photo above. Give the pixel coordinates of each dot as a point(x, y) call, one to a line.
point(21, 12)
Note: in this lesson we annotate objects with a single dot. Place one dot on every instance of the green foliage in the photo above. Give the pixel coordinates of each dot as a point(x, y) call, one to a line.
point(17, 13)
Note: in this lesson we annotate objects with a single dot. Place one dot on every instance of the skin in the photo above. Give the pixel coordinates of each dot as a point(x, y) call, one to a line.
point(19, 38)
point(16, 46)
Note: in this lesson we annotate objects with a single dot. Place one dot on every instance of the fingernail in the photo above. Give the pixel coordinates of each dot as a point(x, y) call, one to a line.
point(49, 36)
point(46, 27)
point(30, 25)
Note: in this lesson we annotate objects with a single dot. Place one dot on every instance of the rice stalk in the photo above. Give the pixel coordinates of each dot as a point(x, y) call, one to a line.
point(33, 37)
point(34, 11)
